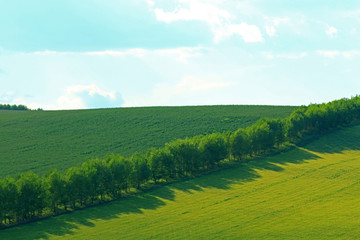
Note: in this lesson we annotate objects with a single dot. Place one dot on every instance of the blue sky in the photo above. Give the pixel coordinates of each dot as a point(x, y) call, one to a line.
point(116, 53)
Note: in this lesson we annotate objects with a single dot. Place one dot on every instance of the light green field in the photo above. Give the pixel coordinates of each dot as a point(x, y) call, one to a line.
point(312, 192)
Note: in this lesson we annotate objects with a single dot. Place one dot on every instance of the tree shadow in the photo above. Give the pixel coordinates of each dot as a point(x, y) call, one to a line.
point(337, 141)
point(66, 224)
point(156, 197)
point(245, 172)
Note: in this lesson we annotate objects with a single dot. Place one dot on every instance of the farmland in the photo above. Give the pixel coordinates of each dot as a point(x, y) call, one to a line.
point(310, 192)
point(42, 140)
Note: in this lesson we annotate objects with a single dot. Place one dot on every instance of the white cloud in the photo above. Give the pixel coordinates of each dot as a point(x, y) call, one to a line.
point(272, 24)
point(190, 90)
point(331, 32)
point(181, 54)
point(33, 105)
point(288, 55)
point(220, 21)
point(27, 100)
point(197, 10)
point(87, 96)
point(138, 52)
point(249, 33)
point(7, 97)
point(270, 30)
point(192, 84)
point(48, 52)
point(150, 3)
point(335, 53)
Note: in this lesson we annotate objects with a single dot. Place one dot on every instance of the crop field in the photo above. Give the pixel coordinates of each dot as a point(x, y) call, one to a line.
point(42, 140)
point(310, 192)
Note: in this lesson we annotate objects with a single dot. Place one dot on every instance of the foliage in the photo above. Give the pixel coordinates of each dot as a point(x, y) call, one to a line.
point(14, 107)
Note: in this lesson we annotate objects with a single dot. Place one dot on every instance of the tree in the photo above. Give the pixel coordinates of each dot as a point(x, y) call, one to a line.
point(213, 149)
point(77, 186)
point(276, 134)
point(295, 123)
point(141, 171)
point(186, 156)
point(9, 199)
point(13, 107)
point(31, 198)
point(154, 159)
point(116, 165)
point(99, 176)
point(239, 144)
point(2, 203)
point(260, 137)
point(56, 188)
point(161, 164)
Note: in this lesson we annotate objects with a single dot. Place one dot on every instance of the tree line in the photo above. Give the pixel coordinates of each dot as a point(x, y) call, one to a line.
point(28, 196)
point(14, 107)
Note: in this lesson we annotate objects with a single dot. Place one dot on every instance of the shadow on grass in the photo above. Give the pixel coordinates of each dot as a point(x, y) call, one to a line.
point(155, 197)
point(337, 141)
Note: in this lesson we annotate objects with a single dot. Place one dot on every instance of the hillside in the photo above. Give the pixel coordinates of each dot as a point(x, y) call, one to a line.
point(311, 192)
point(42, 140)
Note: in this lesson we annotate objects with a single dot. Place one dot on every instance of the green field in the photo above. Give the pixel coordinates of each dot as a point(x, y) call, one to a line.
point(42, 140)
point(311, 192)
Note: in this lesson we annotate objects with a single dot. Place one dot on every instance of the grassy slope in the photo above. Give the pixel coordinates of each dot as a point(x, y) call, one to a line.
point(39, 141)
point(311, 192)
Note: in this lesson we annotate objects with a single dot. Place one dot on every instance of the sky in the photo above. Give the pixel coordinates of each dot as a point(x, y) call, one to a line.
point(66, 54)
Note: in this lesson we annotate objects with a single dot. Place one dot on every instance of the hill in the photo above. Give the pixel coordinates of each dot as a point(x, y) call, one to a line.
point(42, 140)
point(311, 192)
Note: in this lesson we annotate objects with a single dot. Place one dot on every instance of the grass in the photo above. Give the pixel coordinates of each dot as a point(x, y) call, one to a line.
point(42, 140)
point(311, 192)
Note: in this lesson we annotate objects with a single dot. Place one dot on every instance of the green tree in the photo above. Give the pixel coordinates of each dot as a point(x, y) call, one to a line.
point(120, 174)
point(77, 187)
point(161, 164)
point(56, 188)
point(239, 144)
point(213, 149)
point(9, 199)
point(31, 198)
point(260, 137)
point(186, 156)
point(141, 171)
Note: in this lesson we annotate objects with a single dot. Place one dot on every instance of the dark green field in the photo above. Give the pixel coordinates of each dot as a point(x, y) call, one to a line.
point(42, 140)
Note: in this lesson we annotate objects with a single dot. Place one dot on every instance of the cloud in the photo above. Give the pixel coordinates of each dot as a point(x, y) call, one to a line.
point(12, 97)
point(150, 3)
point(192, 84)
point(220, 21)
point(88, 96)
point(138, 52)
point(7, 97)
point(197, 11)
point(75, 97)
point(48, 52)
point(288, 55)
point(272, 24)
point(249, 33)
point(331, 32)
point(335, 53)
point(181, 54)
point(190, 90)
point(270, 30)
